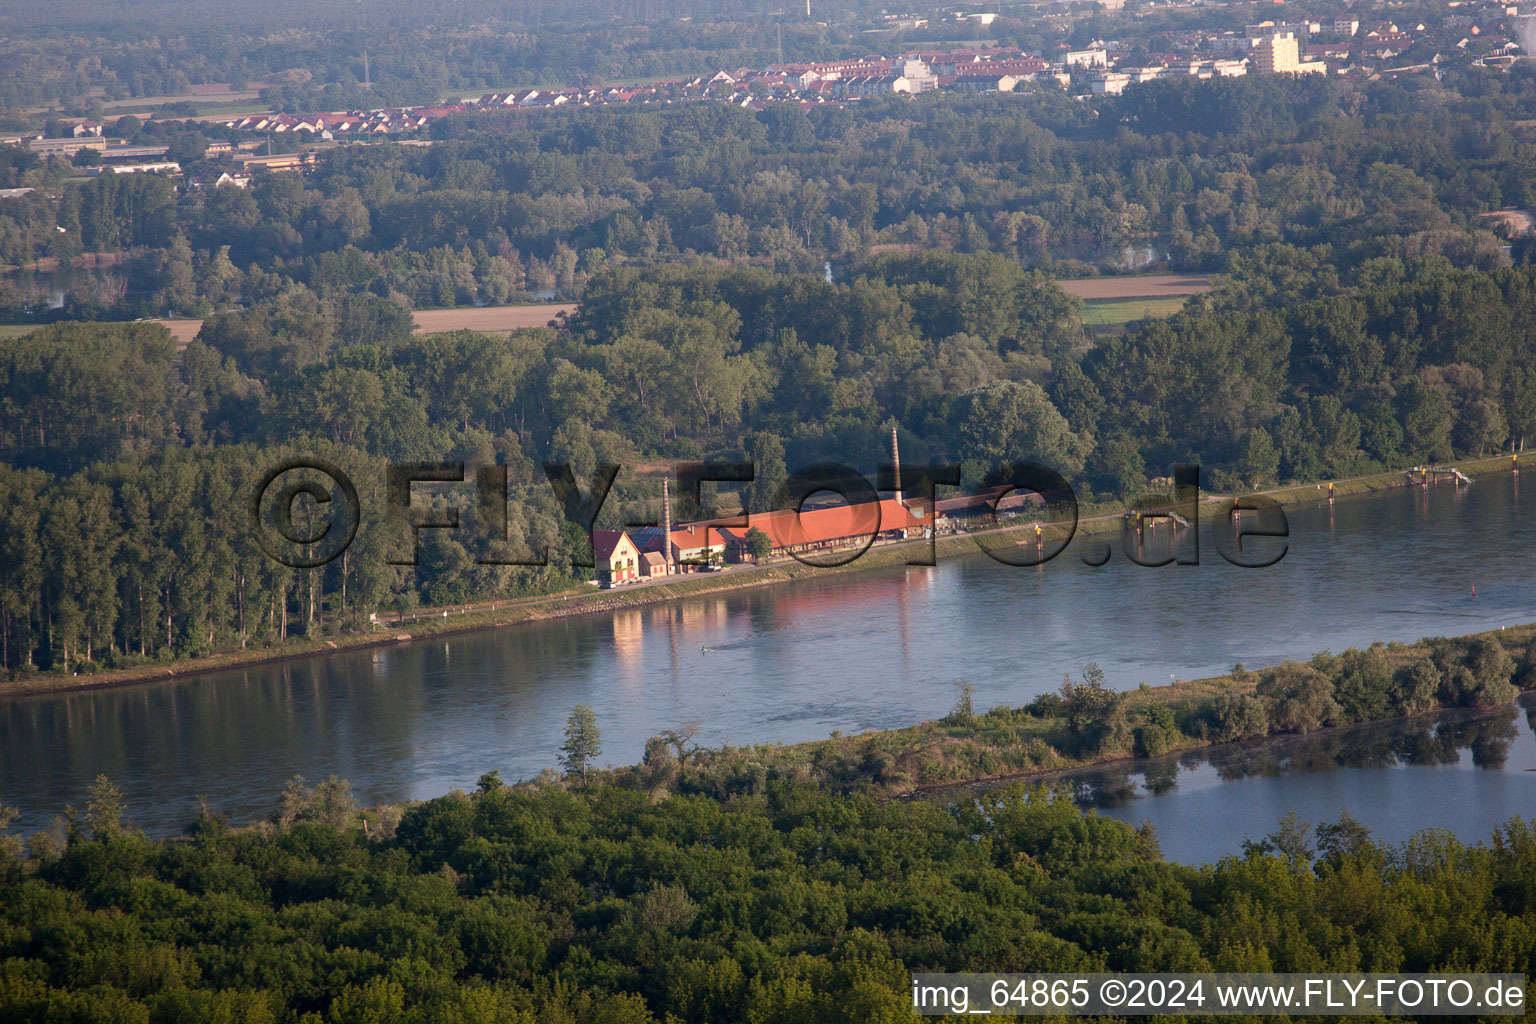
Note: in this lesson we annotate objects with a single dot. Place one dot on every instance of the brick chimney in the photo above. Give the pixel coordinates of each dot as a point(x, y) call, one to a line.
point(666, 524)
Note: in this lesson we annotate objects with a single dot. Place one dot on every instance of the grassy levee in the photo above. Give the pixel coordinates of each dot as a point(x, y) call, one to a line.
point(1378, 482)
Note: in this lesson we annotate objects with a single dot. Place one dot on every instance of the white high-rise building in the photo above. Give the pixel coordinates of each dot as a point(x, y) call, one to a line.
point(1279, 54)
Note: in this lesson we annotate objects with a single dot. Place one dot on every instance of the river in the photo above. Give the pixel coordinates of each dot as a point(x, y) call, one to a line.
point(791, 662)
point(1463, 771)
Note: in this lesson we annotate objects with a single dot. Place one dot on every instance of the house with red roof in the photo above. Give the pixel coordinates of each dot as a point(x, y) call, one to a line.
point(827, 529)
point(616, 556)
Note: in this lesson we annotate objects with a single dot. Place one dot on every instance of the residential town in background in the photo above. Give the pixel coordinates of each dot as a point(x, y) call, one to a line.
point(1486, 32)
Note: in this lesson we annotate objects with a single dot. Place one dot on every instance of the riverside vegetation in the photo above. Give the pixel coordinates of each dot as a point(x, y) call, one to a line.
point(773, 884)
point(128, 465)
point(1363, 320)
point(1085, 722)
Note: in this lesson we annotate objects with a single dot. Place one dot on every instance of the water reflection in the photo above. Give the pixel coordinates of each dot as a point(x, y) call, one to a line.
point(789, 663)
point(1397, 777)
point(98, 287)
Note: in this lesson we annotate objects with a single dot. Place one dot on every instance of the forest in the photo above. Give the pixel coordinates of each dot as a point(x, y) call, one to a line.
point(559, 901)
point(128, 465)
point(313, 52)
point(1177, 174)
point(784, 287)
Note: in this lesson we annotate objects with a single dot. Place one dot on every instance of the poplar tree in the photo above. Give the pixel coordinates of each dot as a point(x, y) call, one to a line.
point(582, 741)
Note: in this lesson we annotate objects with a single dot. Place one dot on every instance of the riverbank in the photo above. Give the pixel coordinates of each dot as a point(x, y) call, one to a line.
point(1098, 521)
point(1049, 737)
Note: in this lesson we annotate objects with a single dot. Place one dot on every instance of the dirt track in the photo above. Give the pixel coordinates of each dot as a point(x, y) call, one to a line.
point(1161, 286)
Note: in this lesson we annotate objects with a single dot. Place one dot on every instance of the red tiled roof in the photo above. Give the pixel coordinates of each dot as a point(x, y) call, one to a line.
point(820, 526)
point(690, 537)
point(604, 542)
point(1011, 501)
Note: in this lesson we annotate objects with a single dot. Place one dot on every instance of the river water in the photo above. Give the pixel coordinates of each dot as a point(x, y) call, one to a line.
point(794, 662)
point(1463, 771)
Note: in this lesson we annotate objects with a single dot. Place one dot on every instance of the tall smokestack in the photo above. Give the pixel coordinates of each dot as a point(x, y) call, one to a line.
point(666, 524)
point(896, 461)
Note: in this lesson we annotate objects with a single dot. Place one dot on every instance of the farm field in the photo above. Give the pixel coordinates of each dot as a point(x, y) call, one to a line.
point(1114, 312)
point(1108, 302)
point(428, 321)
point(489, 318)
point(1154, 286)
point(200, 94)
point(182, 330)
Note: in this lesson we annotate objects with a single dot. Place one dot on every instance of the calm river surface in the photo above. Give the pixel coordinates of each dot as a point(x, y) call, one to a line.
point(794, 662)
point(1459, 770)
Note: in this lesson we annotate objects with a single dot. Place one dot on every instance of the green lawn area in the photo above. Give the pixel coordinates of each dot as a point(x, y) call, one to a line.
point(232, 108)
point(9, 331)
point(1115, 312)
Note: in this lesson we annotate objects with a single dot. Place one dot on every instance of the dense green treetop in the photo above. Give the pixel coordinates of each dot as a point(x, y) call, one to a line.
point(787, 903)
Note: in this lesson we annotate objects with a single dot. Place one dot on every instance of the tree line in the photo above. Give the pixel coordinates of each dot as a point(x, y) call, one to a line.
point(130, 462)
point(561, 902)
point(507, 204)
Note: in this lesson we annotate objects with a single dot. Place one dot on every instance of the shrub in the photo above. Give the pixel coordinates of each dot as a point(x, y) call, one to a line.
point(1237, 716)
point(434, 829)
point(1301, 699)
point(1108, 733)
point(1047, 705)
point(1086, 701)
point(1416, 687)
point(1525, 673)
point(1160, 714)
point(1480, 677)
point(1363, 685)
point(1151, 740)
point(964, 710)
